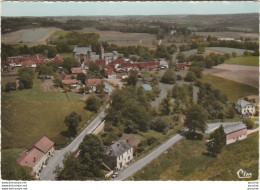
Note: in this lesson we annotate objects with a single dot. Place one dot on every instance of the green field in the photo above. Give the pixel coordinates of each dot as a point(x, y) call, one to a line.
point(249, 61)
point(188, 161)
point(233, 89)
point(58, 33)
point(66, 55)
point(29, 114)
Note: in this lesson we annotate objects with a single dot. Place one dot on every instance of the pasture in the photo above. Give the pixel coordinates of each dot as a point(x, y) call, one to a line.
point(32, 35)
point(244, 74)
point(249, 61)
point(229, 34)
point(229, 50)
point(233, 89)
point(188, 160)
point(29, 114)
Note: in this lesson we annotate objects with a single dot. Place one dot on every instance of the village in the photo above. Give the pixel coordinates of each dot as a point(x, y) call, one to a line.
point(93, 110)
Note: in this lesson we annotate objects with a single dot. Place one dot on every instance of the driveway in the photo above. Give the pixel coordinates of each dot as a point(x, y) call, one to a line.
point(138, 165)
point(47, 172)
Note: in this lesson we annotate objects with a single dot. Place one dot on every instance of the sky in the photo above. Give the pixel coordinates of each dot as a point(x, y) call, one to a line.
point(124, 8)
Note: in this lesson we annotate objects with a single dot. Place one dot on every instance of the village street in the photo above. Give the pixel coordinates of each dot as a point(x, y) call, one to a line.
point(47, 172)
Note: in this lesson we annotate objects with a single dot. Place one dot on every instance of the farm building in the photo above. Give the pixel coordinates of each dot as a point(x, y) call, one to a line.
point(245, 108)
point(118, 155)
point(70, 81)
point(18, 61)
point(93, 83)
point(235, 132)
point(36, 156)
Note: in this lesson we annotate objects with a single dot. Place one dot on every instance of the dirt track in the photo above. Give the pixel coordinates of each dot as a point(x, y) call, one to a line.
point(240, 73)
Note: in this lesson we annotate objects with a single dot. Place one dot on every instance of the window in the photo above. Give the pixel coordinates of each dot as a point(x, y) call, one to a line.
point(128, 157)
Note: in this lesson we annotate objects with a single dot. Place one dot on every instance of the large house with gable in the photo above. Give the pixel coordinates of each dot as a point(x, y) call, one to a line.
point(245, 108)
point(36, 156)
point(118, 155)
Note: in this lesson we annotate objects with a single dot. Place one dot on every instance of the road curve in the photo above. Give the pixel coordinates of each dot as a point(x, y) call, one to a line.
point(135, 166)
point(47, 172)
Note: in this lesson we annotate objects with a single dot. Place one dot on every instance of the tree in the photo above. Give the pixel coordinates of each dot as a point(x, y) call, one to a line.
point(132, 79)
point(179, 77)
point(10, 86)
point(81, 77)
point(200, 50)
point(234, 54)
point(181, 57)
point(246, 53)
point(94, 68)
point(72, 121)
point(190, 76)
point(164, 106)
point(230, 112)
point(196, 118)
point(168, 77)
point(93, 103)
point(25, 78)
point(69, 62)
point(216, 141)
point(159, 124)
point(90, 156)
point(57, 82)
point(249, 123)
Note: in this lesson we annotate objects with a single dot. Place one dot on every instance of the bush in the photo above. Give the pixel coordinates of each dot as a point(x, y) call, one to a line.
point(168, 77)
point(249, 123)
point(151, 140)
point(190, 77)
point(10, 86)
point(159, 124)
point(93, 103)
point(179, 77)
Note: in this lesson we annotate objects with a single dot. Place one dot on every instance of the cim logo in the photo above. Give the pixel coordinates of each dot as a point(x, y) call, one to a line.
point(243, 174)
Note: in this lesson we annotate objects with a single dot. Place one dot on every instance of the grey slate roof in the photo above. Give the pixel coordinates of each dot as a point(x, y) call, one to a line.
point(243, 103)
point(115, 53)
point(234, 127)
point(118, 148)
point(163, 62)
point(108, 54)
point(81, 50)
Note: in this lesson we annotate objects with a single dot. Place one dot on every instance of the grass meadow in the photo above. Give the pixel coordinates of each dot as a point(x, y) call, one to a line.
point(188, 160)
point(233, 89)
point(249, 61)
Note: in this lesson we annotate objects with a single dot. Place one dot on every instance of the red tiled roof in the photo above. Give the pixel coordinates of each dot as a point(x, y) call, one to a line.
point(38, 59)
point(236, 134)
point(117, 61)
point(70, 81)
point(30, 158)
point(58, 59)
point(77, 70)
point(63, 76)
point(89, 62)
point(28, 63)
point(181, 65)
point(101, 62)
point(148, 64)
point(92, 82)
point(44, 144)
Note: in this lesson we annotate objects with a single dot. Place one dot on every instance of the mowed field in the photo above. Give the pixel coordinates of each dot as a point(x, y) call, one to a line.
point(230, 34)
point(241, 73)
point(29, 114)
point(250, 61)
point(33, 35)
point(234, 90)
point(188, 160)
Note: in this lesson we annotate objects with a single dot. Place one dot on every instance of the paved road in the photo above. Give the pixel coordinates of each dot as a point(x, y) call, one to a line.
point(47, 172)
point(212, 126)
point(135, 166)
point(109, 88)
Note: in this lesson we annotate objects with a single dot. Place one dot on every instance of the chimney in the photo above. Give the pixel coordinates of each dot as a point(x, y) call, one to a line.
point(127, 140)
point(118, 144)
point(110, 152)
point(34, 159)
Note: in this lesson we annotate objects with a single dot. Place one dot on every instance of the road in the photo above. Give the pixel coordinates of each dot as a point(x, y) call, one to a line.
point(212, 126)
point(138, 165)
point(47, 172)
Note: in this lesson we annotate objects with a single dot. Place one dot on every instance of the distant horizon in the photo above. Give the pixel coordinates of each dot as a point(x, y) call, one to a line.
point(160, 8)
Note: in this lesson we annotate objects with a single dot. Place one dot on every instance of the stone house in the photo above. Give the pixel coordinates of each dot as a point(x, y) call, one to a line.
point(118, 155)
point(36, 156)
point(235, 132)
point(245, 108)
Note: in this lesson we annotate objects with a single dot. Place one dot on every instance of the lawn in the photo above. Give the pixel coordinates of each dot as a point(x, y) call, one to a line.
point(249, 61)
point(147, 74)
point(187, 160)
point(66, 55)
point(233, 89)
point(29, 114)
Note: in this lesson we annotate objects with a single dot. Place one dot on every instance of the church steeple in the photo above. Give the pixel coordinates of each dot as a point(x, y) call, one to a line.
point(102, 51)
